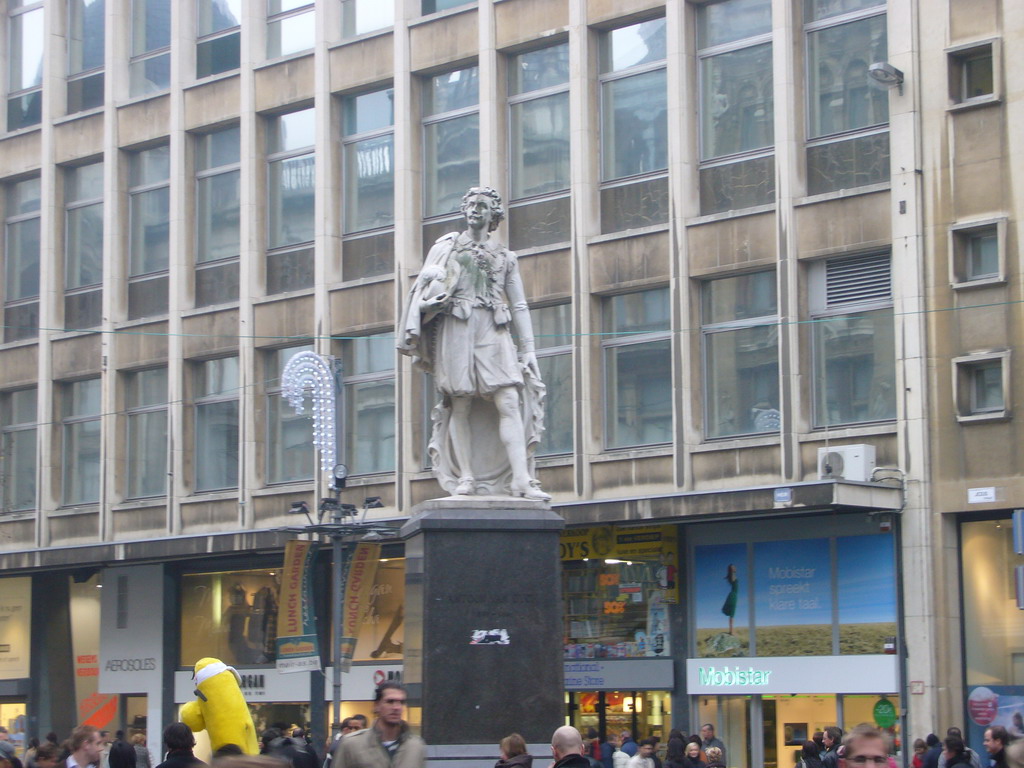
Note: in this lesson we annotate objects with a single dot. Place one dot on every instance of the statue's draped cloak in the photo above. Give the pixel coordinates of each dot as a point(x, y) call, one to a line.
point(469, 349)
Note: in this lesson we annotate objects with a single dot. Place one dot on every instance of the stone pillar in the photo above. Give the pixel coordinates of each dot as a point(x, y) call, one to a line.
point(483, 624)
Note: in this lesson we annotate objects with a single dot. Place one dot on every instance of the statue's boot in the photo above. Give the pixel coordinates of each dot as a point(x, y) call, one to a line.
point(531, 490)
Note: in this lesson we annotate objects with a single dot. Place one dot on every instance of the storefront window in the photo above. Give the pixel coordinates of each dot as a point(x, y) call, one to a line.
point(992, 649)
point(382, 629)
point(275, 715)
point(12, 717)
point(617, 584)
point(791, 719)
point(641, 712)
point(230, 615)
point(787, 588)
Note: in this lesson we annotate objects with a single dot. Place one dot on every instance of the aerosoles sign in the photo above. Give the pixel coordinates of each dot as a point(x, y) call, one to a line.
point(875, 673)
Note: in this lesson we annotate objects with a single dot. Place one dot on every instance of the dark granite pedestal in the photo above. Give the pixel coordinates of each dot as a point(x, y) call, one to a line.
point(483, 625)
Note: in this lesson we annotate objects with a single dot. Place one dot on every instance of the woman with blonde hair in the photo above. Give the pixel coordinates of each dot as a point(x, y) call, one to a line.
point(141, 753)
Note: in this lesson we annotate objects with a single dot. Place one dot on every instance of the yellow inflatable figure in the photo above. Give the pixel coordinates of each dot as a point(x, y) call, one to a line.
point(220, 709)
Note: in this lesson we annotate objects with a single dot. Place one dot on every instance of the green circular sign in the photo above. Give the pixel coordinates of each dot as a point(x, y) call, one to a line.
point(884, 713)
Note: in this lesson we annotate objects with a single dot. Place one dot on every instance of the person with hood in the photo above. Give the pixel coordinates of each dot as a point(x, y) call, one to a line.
point(809, 756)
point(675, 755)
point(956, 752)
point(931, 755)
point(513, 753)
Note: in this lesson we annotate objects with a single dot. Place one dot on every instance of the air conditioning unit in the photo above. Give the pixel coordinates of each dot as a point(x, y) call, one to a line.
point(846, 462)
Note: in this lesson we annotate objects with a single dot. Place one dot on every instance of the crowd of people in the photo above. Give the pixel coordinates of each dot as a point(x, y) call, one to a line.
point(388, 742)
point(621, 750)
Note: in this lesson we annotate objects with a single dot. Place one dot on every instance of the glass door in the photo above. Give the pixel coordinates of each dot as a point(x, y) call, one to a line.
point(731, 718)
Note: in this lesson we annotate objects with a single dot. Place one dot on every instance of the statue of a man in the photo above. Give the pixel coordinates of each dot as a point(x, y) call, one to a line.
point(457, 324)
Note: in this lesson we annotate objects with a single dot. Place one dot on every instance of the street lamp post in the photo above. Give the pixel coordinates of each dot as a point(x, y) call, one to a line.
point(309, 372)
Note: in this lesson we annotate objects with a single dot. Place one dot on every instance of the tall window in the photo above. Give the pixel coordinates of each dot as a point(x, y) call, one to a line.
point(218, 36)
point(18, 449)
point(854, 352)
point(80, 444)
point(149, 211)
point(85, 54)
point(150, 68)
point(369, 172)
point(146, 444)
point(216, 424)
point(741, 355)
point(736, 105)
point(217, 217)
point(433, 6)
point(369, 393)
point(25, 64)
point(637, 348)
point(361, 16)
point(451, 146)
point(552, 331)
point(291, 188)
point(847, 131)
point(634, 127)
point(539, 147)
point(289, 439)
point(290, 27)
point(83, 246)
point(21, 260)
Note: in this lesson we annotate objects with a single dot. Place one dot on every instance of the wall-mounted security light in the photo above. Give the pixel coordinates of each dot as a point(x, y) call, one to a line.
point(886, 75)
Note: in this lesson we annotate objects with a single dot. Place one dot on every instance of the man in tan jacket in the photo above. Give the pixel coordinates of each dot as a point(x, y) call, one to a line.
point(388, 743)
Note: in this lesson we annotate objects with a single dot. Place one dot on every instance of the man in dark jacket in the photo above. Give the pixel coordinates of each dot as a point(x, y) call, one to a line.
point(179, 741)
point(996, 739)
point(832, 740)
point(567, 747)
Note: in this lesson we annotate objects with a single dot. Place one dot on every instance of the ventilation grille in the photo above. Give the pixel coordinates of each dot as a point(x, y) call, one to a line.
point(858, 280)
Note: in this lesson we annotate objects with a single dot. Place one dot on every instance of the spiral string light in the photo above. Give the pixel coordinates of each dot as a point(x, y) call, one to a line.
point(308, 371)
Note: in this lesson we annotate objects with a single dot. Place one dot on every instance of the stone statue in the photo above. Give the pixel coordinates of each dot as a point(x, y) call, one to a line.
point(457, 324)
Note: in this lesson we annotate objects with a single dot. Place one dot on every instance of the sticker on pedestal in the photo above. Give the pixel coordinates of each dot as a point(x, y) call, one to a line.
point(489, 637)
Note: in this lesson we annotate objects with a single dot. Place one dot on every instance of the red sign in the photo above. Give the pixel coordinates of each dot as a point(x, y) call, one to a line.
point(982, 705)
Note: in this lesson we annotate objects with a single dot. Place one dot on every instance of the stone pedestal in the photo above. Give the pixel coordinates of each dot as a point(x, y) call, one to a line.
point(483, 624)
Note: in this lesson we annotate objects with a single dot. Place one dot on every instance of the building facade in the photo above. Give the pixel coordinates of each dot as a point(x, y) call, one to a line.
point(770, 248)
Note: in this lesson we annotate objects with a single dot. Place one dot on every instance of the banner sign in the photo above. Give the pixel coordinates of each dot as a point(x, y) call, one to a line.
point(619, 675)
point(297, 649)
point(358, 591)
point(875, 673)
point(131, 643)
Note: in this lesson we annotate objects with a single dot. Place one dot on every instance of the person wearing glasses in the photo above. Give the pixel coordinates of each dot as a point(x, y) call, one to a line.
point(864, 747)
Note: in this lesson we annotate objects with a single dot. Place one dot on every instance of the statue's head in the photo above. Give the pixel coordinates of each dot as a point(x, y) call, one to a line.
point(497, 209)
